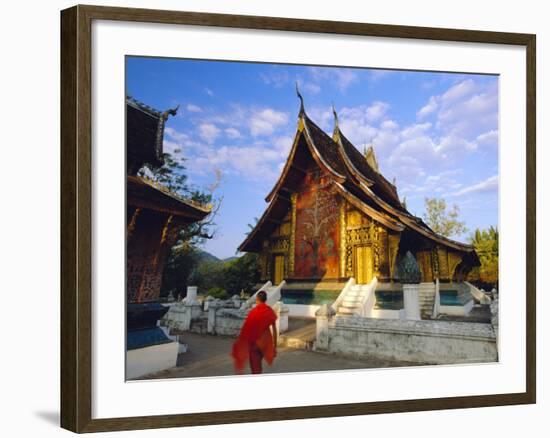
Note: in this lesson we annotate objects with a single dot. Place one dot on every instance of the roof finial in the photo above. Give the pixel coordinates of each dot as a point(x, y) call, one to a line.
point(335, 117)
point(171, 112)
point(371, 158)
point(301, 99)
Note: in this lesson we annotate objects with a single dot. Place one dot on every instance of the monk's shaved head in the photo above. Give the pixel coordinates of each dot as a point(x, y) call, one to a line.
point(262, 296)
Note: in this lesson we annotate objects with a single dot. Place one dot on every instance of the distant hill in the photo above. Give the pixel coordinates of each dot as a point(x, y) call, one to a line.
point(207, 257)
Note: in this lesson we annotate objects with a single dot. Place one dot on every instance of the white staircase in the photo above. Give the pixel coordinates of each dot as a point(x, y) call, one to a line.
point(273, 295)
point(356, 298)
point(477, 294)
point(426, 296)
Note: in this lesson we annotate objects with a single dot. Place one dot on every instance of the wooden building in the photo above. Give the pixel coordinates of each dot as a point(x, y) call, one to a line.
point(154, 214)
point(332, 215)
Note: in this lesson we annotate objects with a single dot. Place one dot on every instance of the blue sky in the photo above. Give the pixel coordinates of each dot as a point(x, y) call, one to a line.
point(436, 133)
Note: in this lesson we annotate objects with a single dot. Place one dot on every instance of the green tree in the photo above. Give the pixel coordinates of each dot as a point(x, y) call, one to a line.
point(486, 244)
point(184, 257)
point(241, 274)
point(182, 261)
point(171, 175)
point(443, 221)
point(208, 274)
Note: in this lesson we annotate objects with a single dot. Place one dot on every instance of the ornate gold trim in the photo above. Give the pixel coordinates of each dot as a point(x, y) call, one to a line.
point(343, 225)
point(132, 225)
point(293, 199)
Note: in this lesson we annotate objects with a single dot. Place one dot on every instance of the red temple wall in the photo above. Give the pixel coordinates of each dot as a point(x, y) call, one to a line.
point(316, 253)
point(145, 257)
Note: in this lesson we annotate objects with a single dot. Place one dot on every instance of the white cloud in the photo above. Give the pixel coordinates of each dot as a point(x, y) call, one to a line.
point(457, 91)
point(488, 185)
point(208, 132)
point(176, 142)
point(429, 108)
point(453, 143)
point(376, 111)
point(415, 130)
point(283, 145)
point(389, 125)
point(277, 78)
point(171, 147)
point(489, 138)
point(265, 122)
point(311, 87)
point(193, 108)
point(232, 133)
point(343, 78)
point(255, 162)
point(209, 92)
point(377, 75)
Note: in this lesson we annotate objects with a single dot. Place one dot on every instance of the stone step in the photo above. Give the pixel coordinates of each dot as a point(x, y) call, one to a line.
point(296, 343)
point(347, 310)
point(301, 338)
point(351, 303)
point(353, 293)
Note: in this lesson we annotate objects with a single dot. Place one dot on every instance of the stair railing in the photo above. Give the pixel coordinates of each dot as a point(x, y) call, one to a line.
point(252, 300)
point(437, 300)
point(367, 303)
point(349, 284)
point(274, 293)
point(477, 294)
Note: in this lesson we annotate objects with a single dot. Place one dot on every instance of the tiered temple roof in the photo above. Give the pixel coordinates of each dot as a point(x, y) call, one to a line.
point(356, 178)
point(144, 145)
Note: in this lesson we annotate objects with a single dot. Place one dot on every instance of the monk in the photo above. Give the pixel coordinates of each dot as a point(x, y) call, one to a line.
point(257, 339)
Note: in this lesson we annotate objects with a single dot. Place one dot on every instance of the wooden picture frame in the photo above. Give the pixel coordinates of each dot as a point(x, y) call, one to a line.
point(76, 217)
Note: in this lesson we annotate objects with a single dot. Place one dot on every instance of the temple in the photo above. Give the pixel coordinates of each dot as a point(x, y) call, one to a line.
point(154, 214)
point(332, 216)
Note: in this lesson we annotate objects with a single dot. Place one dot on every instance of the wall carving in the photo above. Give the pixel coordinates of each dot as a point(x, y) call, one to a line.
point(317, 233)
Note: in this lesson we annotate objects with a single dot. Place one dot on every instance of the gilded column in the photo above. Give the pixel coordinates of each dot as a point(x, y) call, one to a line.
point(343, 249)
point(435, 263)
point(267, 252)
point(383, 254)
point(132, 225)
point(292, 245)
point(393, 243)
point(443, 263)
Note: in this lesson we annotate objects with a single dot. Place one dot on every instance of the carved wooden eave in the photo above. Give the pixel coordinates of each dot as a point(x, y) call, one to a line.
point(378, 216)
point(404, 216)
point(361, 179)
point(303, 129)
point(286, 169)
point(146, 194)
point(264, 219)
point(317, 156)
point(411, 223)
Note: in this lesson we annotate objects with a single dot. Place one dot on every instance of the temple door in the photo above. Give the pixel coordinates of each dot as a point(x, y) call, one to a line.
point(278, 269)
point(363, 264)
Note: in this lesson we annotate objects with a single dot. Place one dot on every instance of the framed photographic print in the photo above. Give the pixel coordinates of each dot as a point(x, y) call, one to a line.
point(339, 215)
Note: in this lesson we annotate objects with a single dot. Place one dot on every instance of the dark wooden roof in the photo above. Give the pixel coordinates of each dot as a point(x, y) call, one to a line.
point(143, 193)
point(144, 135)
point(272, 217)
point(380, 185)
point(326, 146)
point(354, 178)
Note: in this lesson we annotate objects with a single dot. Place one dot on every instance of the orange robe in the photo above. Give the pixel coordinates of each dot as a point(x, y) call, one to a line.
point(255, 330)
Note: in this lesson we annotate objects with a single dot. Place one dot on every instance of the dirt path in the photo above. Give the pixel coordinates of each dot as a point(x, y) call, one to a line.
point(209, 356)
